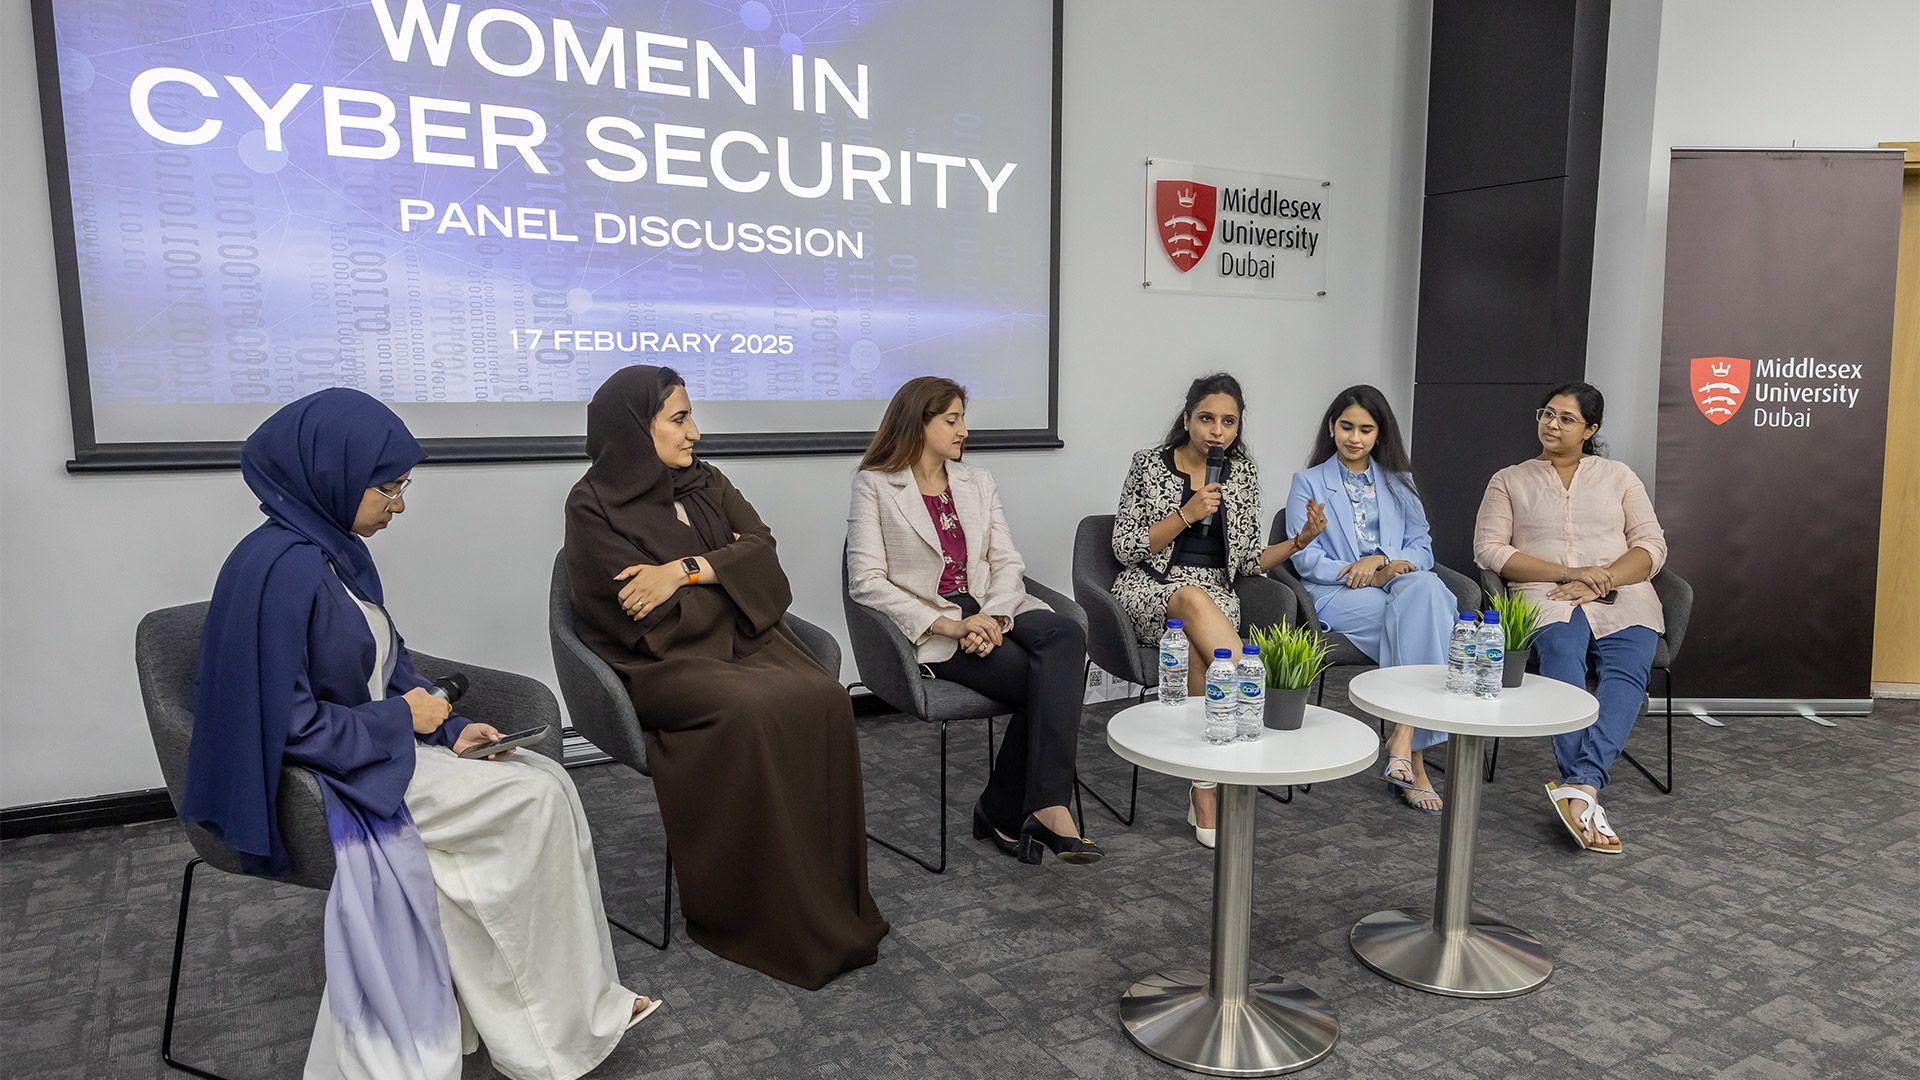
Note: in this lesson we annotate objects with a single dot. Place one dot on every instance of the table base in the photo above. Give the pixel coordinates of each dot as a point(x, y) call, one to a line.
point(1485, 960)
point(1278, 1027)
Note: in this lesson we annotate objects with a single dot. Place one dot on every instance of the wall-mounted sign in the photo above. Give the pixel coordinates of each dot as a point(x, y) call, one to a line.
point(1212, 230)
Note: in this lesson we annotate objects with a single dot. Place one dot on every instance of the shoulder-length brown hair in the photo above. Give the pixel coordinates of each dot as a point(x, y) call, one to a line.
point(903, 429)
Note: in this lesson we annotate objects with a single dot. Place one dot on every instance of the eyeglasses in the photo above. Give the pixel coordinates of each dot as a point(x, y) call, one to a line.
point(1559, 419)
point(393, 496)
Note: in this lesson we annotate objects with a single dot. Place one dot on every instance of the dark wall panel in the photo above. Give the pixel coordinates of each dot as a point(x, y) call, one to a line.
point(1501, 67)
point(1513, 165)
point(1466, 433)
point(1489, 283)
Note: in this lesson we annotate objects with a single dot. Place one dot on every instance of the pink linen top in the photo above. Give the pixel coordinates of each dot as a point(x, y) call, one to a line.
point(1602, 515)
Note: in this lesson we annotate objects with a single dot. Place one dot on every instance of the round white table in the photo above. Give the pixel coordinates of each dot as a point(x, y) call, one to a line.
point(1450, 951)
point(1225, 1022)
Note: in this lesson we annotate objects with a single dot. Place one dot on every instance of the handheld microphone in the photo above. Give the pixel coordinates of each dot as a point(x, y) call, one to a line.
point(449, 688)
point(1216, 464)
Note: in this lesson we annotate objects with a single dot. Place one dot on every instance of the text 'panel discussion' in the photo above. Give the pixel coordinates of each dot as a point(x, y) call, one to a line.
point(920, 539)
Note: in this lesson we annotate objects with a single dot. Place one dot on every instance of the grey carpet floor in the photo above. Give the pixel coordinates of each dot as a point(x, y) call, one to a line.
point(1764, 923)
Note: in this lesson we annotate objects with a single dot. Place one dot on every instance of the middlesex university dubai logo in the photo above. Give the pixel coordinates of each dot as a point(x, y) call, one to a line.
point(1720, 385)
point(1184, 212)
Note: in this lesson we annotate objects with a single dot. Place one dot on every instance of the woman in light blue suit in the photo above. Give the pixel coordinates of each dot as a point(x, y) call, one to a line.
point(1371, 571)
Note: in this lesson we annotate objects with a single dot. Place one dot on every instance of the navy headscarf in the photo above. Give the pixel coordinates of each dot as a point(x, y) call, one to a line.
point(310, 463)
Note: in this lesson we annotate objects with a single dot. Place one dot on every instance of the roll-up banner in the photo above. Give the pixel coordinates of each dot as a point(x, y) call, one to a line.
point(1774, 356)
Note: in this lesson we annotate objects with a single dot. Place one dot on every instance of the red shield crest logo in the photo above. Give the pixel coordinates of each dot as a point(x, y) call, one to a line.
point(1719, 385)
point(1183, 210)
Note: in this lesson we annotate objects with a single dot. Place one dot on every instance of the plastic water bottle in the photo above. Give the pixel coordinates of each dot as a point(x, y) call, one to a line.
point(1221, 698)
point(1461, 673)
point(1250, 705)
point(1490, 657)
point(1173, 664)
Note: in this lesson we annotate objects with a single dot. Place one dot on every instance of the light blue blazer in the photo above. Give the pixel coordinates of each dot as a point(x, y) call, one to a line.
point(1404, 533)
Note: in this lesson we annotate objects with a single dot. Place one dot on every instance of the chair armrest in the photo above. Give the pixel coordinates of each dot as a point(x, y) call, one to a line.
point(508, 701)
point(1491, 584)
point(818, 642)
point(884, 659)
point(1110, 638)
point(1058, 602)
point(303, 829)
point(1305, 613)
point(1266, 602)
point(1468, 595)
point(1676, 608)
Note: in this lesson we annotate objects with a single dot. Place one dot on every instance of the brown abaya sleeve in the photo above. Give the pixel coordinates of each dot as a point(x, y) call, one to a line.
point(749, 569)
point(595, 553)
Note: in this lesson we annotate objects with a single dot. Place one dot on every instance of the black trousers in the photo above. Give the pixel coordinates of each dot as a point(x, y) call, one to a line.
point(1036, 672)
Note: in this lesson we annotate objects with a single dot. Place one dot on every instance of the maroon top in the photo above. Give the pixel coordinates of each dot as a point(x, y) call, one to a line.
point(953, 542)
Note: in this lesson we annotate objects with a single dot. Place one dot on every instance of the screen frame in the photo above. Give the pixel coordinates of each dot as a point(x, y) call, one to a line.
point(91, 455)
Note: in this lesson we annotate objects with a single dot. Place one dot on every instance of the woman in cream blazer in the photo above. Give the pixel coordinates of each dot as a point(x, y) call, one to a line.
point(928, 547)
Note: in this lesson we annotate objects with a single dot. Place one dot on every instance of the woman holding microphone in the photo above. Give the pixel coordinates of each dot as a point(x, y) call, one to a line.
point(1184, 540)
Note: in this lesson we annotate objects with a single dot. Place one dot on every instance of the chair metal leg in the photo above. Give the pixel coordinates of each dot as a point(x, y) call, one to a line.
point(1133, 788)
point(1276, 796)
point(666, 916)
point(1493, 759)
point(173, 980)
point(1133, 797)
point(941, 867)
point(1667, 787)
point(989, 746)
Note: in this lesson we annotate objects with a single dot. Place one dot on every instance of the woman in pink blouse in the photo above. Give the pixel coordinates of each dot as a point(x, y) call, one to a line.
point(928, 547)
point(1576, 534)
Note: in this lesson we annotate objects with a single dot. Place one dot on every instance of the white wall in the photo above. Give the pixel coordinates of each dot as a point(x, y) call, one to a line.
point(1721, 73)
point(1330, 89)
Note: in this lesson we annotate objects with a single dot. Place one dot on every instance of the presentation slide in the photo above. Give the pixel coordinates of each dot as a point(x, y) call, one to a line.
point(477, 213)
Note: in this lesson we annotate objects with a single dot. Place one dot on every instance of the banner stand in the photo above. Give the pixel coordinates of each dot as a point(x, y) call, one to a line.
point(1776, 347)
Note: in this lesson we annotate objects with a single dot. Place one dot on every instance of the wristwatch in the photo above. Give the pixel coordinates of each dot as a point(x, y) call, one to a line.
point(692, 567)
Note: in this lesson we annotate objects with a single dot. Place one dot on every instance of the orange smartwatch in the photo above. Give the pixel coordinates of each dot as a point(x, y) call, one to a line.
point(692, 567)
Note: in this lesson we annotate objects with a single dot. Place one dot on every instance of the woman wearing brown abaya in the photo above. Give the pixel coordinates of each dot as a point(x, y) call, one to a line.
point(676, 585)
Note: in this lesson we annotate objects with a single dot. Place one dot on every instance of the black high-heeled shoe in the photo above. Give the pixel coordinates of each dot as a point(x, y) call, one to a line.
point(984, 830)
point(1036, 838)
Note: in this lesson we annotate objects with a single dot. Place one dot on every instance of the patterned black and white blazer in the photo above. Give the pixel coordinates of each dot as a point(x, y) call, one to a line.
point(1152, 492)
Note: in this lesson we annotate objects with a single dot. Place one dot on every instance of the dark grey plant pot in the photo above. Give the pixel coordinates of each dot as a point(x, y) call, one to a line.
point(1515, 667)
point(1286, 709)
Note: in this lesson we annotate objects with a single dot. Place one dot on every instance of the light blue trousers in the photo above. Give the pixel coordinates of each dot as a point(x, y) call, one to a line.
point(1405, 623)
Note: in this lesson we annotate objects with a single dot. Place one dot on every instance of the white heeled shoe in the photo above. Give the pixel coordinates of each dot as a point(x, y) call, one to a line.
point(1205, 836)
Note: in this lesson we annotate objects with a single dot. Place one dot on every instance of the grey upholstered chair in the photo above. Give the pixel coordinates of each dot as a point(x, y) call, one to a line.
point(602, 710)
point(1110, 639)
point(1676, 609)
point(888, 667)
point(166, 653)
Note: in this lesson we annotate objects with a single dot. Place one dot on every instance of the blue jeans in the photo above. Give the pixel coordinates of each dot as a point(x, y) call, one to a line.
point(1621, 664)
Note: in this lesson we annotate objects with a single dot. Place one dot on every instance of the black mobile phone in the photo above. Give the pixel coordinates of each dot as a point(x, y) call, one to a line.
point(506, 742)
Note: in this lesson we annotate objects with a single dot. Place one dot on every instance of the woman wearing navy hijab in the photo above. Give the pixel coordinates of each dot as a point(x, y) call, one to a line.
point(464, 899)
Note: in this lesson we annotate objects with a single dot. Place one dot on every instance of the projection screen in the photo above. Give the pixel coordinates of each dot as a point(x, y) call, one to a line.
point(477, 212)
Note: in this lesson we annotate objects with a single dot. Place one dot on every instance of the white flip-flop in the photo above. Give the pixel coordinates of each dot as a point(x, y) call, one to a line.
point(652, 1004)
point(1576, 823)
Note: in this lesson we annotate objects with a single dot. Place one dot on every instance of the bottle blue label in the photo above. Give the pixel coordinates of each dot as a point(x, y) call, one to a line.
point(1250, 689)
point(1216, 692)
point(1169, 658)
point(1495, 654)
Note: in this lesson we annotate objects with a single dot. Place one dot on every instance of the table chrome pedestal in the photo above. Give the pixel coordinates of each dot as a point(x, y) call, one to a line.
point(1450, 952)
point(1223, 1022)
